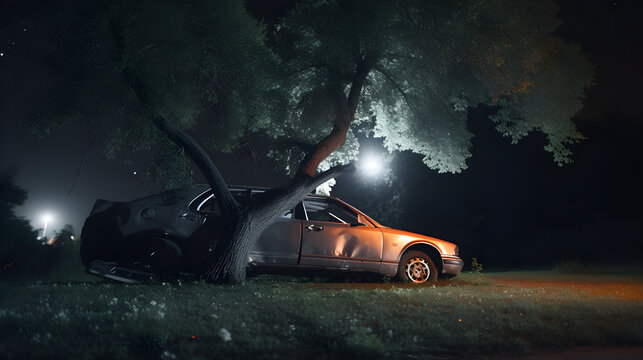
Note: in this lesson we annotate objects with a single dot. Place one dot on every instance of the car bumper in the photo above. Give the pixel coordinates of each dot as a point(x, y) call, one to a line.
point(113, 271)
point(451, 265)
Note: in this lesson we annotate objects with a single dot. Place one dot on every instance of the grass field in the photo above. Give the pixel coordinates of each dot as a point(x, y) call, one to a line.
point(276, 317)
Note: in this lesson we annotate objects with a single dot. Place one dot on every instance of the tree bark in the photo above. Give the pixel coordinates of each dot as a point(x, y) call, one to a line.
point(336, 138)
point(227, 203)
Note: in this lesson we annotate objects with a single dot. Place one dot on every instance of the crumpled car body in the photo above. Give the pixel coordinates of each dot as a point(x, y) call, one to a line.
point(163, 234)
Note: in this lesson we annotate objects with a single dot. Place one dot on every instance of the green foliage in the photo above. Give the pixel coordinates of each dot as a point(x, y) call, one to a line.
point(61, 260)
point(476, 267)
point(430, 63)
point(22, 255)
point(18, 240)
point(11, 195)
point(206, 66)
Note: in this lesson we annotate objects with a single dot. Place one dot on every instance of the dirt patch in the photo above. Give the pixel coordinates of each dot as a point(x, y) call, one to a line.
point(622, 288)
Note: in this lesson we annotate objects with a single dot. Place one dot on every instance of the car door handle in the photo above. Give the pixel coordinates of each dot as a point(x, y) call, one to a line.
point(312, 227)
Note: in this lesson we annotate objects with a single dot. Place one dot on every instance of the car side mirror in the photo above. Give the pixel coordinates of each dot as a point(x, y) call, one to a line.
point(357, 224)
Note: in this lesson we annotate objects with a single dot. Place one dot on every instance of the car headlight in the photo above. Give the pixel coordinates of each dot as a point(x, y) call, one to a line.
point(456, 251)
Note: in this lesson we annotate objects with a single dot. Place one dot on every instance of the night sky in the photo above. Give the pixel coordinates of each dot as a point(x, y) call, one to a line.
point(512, 196)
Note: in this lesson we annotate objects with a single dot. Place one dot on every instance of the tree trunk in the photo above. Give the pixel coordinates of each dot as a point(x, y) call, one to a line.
point(244, 224)
point(240, 226)
point(342, 123)
point(230, 256)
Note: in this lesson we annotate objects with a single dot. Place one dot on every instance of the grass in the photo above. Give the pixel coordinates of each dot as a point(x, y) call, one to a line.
point(277, 317)
point(573, 267)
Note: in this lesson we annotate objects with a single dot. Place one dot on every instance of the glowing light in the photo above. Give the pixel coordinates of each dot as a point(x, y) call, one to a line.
point(371, 165)
point(47, 218)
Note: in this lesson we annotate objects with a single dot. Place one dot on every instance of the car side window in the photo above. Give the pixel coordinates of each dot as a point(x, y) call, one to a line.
point(209, 206)
point(299, 212)
point(328, 210)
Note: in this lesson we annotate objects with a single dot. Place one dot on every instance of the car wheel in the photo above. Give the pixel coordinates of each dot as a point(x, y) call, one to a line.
point(416, 267)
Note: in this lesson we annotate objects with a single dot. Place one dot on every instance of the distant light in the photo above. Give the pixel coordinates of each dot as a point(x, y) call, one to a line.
point(46, 218)
point(1, 54)
point(72, 237)
point(134, 172)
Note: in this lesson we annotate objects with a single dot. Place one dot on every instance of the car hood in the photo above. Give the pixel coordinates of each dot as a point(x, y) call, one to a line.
point(445, 247)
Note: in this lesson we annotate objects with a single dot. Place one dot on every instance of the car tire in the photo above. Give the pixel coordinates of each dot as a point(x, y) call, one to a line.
point(416, 267)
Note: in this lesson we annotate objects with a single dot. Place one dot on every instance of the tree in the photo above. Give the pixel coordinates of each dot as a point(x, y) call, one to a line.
point(405, 71)
point(65, 237)
point(426, 64)
point(18, 241)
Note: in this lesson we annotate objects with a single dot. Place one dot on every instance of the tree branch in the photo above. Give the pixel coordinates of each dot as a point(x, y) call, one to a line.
point(343, 120)
point(271, 204)
point(223, 195)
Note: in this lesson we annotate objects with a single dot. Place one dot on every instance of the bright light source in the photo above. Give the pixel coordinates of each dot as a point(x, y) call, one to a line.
point(371, 165)
point(46, 218)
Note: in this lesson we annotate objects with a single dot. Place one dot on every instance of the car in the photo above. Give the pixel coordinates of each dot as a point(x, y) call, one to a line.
point(163, 235)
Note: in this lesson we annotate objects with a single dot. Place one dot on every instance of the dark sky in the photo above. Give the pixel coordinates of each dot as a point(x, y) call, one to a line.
point(509, 191)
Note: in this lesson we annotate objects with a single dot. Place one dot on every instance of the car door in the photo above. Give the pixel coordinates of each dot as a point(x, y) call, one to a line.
point(279, 243)
point(333, 237)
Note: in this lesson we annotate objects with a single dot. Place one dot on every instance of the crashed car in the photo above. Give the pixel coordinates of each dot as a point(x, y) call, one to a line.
point(163, 234)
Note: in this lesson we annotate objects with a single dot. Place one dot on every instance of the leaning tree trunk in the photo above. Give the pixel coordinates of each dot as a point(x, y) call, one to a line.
point(230, 255)
point(240, 226)
point(242, 230)
point(243, 224)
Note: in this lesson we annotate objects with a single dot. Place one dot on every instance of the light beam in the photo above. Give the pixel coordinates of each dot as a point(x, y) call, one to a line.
point(46, 218)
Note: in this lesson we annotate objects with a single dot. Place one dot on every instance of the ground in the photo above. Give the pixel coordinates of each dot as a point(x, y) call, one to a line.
point(496, 315)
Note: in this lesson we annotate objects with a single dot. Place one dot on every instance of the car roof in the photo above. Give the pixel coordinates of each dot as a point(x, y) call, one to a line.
point(207, 188)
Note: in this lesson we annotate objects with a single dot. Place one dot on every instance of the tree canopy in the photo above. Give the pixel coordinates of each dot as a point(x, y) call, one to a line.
point(429, 62)
point(209, 66)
